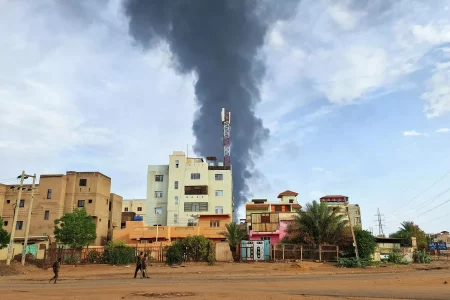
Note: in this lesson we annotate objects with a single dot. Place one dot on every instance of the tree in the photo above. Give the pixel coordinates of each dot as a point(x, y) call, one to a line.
point(75, 229)
point(408, 230)
point(234, 235)
point(366, 243)
point(4, 236)
point(317, 224)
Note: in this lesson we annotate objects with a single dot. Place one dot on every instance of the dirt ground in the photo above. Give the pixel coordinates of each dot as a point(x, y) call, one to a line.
point(250, 281)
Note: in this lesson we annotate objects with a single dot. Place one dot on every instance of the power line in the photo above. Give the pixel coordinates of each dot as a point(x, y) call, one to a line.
point(424, 191)
point(432, 208)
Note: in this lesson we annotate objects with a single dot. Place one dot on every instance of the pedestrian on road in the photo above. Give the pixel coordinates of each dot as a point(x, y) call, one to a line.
point(144, 266)
point(139, 264)
point(56, 266)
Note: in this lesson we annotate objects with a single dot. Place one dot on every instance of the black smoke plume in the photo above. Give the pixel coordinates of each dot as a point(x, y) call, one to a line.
point(219, 40)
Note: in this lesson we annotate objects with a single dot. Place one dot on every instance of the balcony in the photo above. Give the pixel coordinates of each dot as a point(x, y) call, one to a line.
point(183, 231)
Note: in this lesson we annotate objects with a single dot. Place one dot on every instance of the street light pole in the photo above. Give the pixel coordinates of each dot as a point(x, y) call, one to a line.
point(27, 230)
point(14, 224)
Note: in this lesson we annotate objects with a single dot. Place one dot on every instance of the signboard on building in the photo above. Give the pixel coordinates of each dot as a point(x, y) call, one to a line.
point(437, 246)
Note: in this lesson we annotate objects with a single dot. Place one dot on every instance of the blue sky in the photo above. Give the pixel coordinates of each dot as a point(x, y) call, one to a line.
point(356, 96)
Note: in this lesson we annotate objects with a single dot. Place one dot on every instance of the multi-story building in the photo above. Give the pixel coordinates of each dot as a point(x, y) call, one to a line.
point(268, 221)
point(341, 203)
point(185, 188)
point(135, 205)
point(58, 194)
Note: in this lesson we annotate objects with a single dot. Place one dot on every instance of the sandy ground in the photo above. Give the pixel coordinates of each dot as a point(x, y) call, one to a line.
point(250, 281)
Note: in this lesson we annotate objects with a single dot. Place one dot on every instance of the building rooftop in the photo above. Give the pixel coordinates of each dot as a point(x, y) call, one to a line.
point(287, 193)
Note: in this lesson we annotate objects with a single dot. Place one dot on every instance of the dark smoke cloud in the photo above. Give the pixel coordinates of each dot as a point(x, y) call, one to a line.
point(220, 41)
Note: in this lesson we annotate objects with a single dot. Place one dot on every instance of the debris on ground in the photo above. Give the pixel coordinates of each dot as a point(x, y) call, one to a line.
point(163, 295)
point(16, 268)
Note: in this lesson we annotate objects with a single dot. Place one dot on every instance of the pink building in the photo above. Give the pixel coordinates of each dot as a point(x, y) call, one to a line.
point(268, 221)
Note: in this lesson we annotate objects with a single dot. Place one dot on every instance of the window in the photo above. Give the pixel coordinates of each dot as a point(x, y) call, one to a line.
point(126, 209)
point(214, 223)
point(158, 194)
point(176, 185)
point(291, 200)
point(80, 203)
point(195, 206)
point(265, 218)
point(278, 208)
point(175, 200)
point(110, 206)
point(19, 225)
point(47, 215)
point(177, 163)
point(159, 178)
point(109, 223)
point(158, 210)
point(195, 175)
point(83, 182)
point(265, 238)
point(90, 201)
point(22, 203)
point(357, 220)
point(196, 190)
point(219, 193)
point(219, 209)
point(49, 194)
point(139, 208)
point(218, 176)
point(5, 223)
point(175, 218)
point(8, 201)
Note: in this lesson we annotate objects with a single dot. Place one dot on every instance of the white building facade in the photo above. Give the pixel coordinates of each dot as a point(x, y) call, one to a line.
point(187, 187)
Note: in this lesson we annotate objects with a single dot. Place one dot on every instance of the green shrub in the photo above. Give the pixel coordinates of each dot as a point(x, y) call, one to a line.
point(174, 254)
point(366, 244)
point(94, 256)
point(397, 258)
point(117, 253)
point(352, 262)
point(192, 248)
point(421, 257)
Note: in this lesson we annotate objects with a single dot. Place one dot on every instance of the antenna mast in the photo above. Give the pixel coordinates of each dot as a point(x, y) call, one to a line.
point(226, 119)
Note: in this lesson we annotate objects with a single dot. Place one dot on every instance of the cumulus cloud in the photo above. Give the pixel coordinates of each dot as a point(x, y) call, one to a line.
point(437, 94)
point(442, 130)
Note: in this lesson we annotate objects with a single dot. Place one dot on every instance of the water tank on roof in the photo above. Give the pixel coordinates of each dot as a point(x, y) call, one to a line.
point(138, 218)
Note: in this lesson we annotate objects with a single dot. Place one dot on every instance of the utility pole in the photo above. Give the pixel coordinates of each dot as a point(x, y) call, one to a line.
point(14, 224)
point(27, 230)
point(353, 233)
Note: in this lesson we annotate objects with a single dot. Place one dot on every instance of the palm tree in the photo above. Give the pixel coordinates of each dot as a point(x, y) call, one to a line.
point(319, 224)
point(407, 230)
point(234, 235)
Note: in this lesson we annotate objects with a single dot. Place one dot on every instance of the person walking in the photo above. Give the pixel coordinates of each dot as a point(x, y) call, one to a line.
point(139, 264)
point(144, 266)
point(56, 266)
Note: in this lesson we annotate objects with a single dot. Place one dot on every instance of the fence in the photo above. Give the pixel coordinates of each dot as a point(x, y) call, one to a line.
point(304, 252)
point(96, 255)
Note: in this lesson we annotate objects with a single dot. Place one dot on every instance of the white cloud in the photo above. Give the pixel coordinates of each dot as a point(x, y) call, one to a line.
point(437, 94)
point(441, 130)
point(413, 133)
point(76, 94)
point(345, 17)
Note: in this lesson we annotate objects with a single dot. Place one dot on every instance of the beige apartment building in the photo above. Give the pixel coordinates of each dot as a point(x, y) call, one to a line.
point(58, 194)
point(178, 192)
point(341, 202)
point(137, 206)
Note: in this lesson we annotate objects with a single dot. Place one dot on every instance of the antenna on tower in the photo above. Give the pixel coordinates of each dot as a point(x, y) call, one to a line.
point(226, 119)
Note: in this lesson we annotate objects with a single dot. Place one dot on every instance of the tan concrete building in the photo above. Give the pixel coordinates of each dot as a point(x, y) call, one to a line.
point(341, 202)
point(137, 206)
point(178, 192)
point(58, 194)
